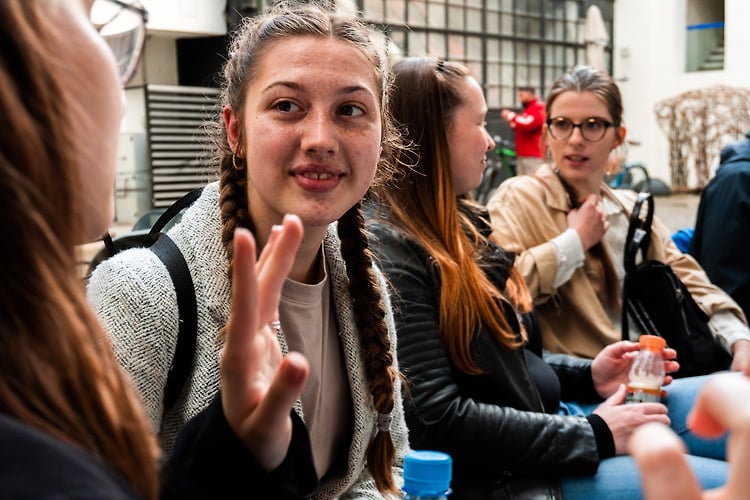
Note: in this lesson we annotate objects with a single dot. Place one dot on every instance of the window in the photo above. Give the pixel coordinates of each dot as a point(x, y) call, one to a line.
point(704, 49)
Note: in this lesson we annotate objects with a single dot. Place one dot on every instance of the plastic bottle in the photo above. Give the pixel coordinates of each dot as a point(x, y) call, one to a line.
point(647, 372)
point(427, 475)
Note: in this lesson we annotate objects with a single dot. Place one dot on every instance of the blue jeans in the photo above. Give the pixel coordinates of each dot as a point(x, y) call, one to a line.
point(618, 477)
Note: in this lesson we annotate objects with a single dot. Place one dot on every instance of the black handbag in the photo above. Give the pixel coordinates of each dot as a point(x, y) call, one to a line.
point(659, 303)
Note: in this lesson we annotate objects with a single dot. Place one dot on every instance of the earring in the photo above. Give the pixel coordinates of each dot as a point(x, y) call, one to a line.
point(234, 162)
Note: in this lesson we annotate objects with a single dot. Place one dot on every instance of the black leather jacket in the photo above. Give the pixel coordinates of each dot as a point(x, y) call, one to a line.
point(495, 425)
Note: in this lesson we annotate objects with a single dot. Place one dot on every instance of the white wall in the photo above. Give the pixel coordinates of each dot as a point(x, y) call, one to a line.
point(186, 17)
point(649, 60)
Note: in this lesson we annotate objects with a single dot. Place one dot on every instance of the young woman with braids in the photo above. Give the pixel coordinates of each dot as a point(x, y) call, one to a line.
point(305, 130)
point(517, 425)
point(71, 424)
point(569, 228)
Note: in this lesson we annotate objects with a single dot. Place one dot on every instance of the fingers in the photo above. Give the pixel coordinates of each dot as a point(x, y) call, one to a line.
point(659, 454)
point(275, 264)
point(723, 403)
point(284, 391)
point(244, 293)
point(618, 397)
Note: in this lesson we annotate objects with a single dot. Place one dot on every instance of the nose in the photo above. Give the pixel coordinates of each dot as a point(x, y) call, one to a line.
point(576, 136)
point(319, 136)
point(490, 141)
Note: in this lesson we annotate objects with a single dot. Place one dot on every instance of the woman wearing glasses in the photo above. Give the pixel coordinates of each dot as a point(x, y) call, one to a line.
point(71, 425)
point(569, 228)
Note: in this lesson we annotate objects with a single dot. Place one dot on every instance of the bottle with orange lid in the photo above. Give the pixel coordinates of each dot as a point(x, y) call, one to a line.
point(647, 373)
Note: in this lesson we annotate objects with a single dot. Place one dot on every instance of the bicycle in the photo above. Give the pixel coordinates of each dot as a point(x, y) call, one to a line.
point(501, 165)
point(628, 174)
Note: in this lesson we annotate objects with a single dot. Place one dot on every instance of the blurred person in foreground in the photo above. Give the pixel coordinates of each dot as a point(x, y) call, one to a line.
point(71, 424)
point(723, 405)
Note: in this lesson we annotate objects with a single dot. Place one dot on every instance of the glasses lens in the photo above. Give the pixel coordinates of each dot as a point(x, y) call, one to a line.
point(124, 31)
point(593, 129)
point(560, 128)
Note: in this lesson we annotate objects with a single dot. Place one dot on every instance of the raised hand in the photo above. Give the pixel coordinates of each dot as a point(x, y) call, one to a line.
point(723, 404)
point(589, 221)
point(259, 387)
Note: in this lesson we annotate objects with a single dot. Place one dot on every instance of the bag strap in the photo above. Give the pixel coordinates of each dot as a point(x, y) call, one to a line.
point(638, 239)
point(187, 308)
point(175, 208)
point(639, 231)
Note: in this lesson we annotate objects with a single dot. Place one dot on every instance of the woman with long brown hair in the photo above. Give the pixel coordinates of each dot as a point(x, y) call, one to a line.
point(71, 425)
point(518, 425)
point(304, 129)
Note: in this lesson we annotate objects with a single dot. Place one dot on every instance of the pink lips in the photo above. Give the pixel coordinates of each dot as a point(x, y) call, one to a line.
point(575, 160)
point(317, 178)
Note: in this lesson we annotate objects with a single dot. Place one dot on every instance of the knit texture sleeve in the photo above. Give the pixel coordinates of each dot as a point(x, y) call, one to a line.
point(136, 302)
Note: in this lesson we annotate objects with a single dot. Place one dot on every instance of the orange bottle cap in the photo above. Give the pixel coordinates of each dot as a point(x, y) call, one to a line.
point(652, 342)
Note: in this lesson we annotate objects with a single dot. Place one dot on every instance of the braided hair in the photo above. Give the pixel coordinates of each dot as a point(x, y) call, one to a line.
point(250, 42)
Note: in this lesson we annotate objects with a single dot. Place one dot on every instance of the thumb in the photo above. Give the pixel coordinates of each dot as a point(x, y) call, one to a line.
point(618, 397)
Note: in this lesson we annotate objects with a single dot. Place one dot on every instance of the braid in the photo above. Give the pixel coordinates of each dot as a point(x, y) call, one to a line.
point(373, 333)
point(234, 210)
point(233, 203)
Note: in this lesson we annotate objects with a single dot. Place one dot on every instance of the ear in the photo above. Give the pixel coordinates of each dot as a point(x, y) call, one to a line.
point(543, 138)
point(620, 136)
point(232, 125)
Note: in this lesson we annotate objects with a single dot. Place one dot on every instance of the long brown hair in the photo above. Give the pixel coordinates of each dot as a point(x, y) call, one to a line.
point(587, 79)
point(58, 372)
point(424, 203)
point(250, 42)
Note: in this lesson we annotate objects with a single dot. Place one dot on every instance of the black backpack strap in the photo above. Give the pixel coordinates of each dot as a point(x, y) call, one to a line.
point(172, 211)
point(637, 240)
point(170, 255)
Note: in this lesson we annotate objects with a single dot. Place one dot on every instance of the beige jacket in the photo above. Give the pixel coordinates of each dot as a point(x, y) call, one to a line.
point(527, 212)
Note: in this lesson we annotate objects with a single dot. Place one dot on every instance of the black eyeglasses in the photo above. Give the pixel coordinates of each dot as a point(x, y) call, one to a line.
point(592, 129)
point(122, 24)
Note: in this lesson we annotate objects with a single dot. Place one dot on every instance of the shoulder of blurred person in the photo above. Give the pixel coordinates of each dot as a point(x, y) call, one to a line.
point(721, 240)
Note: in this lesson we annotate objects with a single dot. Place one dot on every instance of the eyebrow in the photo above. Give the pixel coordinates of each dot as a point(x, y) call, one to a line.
point(351, 89)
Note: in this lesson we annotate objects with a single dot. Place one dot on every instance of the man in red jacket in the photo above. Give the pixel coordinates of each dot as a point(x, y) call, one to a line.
point(528, 129)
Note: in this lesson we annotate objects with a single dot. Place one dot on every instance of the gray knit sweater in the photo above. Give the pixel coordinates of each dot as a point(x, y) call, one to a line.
point(136, 301)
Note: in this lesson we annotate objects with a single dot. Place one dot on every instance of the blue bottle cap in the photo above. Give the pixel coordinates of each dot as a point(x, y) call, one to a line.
point(427, 473)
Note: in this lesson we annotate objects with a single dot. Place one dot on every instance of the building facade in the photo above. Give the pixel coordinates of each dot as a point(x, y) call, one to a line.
point(655, 50)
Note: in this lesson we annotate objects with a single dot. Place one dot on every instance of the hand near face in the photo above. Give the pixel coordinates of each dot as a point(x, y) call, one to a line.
point(589, 221)
point(259, 387)
point(723, 404)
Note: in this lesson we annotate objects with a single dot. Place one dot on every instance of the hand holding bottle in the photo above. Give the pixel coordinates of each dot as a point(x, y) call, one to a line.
point(611, 367)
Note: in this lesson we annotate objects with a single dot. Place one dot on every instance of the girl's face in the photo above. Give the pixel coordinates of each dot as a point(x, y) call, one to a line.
point(582, 163)
point(312, 131)
point(90, 78)
point(468, 139)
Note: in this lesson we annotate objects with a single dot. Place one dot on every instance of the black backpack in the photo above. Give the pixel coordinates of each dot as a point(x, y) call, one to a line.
point(158, 242)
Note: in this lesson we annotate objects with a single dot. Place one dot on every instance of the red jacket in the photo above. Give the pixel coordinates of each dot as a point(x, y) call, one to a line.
point(528, 127)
